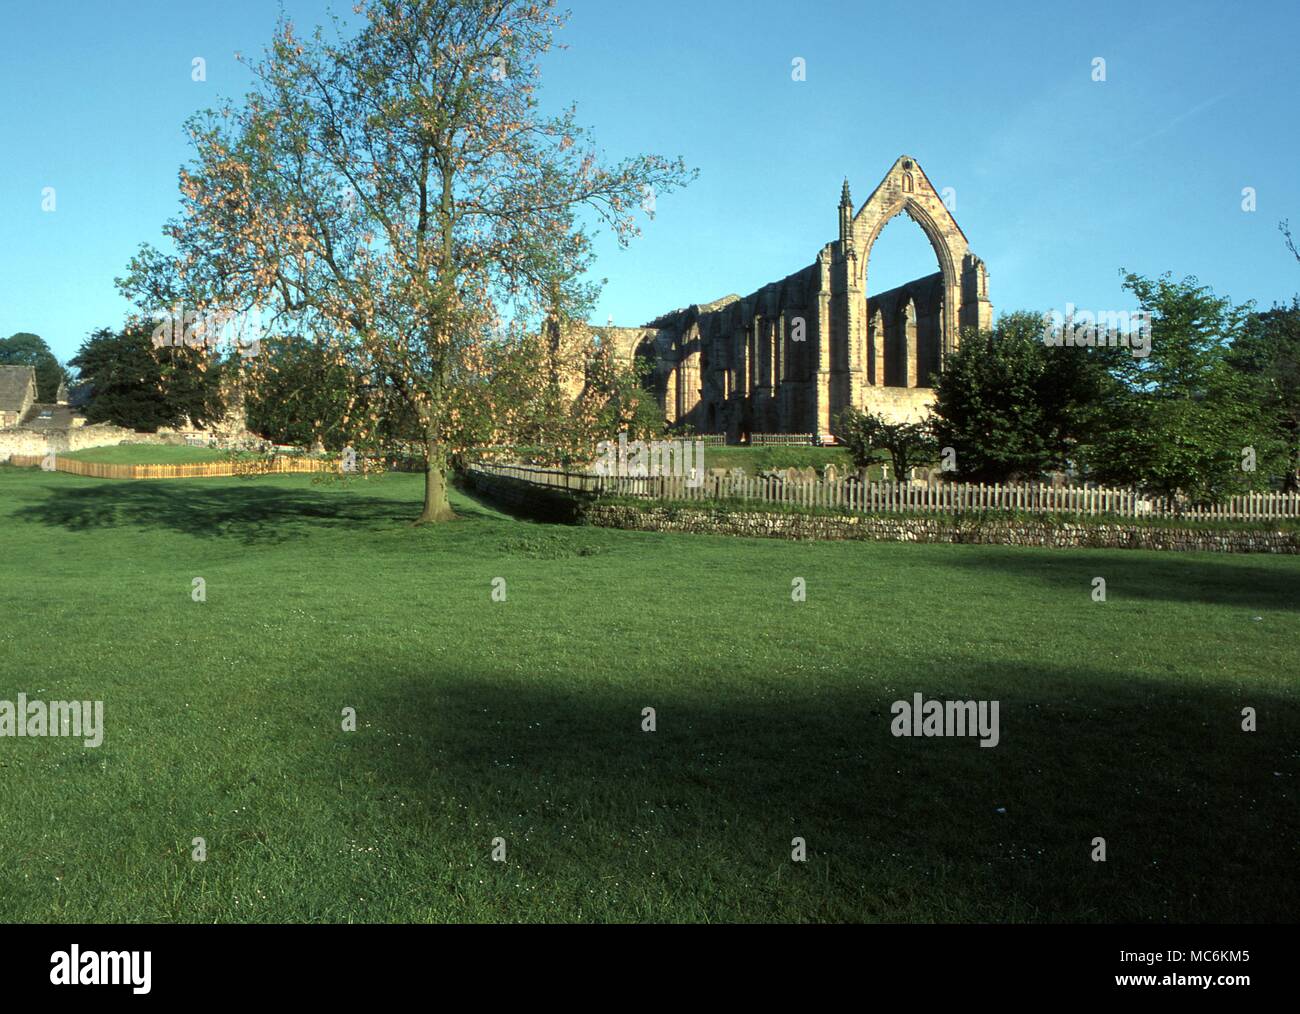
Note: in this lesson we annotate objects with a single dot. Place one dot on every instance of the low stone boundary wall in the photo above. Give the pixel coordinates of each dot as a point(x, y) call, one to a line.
point(38, 443)
point(969, 530)
point(519, 496)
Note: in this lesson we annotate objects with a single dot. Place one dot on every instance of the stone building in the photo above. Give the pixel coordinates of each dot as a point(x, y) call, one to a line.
point(17, 394)
point(790, 356)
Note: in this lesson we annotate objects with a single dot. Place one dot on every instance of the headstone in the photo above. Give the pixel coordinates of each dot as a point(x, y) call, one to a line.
point(831, 474)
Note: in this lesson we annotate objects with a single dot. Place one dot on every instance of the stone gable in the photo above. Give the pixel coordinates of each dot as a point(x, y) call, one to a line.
point(789, 357)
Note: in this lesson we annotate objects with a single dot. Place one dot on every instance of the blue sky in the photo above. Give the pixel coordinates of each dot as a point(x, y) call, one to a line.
point(1060, 181)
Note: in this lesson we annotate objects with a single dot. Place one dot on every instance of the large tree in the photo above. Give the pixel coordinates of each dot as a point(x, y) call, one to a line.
point(140, 387)
point(401, 197)
point(1188, 415)
point(1014, 407)
point(1268, 353)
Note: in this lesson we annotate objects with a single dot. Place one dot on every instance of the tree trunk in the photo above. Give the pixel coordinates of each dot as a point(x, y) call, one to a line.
point(436, 507)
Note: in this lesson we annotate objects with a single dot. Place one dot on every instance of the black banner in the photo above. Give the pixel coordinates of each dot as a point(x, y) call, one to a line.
point(337, 963)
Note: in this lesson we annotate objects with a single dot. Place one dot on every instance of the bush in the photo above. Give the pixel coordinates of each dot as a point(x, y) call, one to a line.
point(908, 444)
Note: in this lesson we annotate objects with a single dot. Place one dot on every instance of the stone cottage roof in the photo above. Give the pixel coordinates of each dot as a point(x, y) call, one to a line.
point(49, 417)
point(14, 385)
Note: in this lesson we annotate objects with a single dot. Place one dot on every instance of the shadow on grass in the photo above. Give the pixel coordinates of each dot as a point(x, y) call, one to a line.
point(1214, 579)
point(498, 509)
point(696, 820)
point(252, 510)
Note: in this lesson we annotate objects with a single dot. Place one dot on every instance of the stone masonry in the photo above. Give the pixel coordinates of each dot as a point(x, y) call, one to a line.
point(968, 531)
point(790, 356)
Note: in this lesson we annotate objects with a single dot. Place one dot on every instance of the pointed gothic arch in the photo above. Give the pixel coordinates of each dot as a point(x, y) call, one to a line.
point(923, 205)
point(790, 356)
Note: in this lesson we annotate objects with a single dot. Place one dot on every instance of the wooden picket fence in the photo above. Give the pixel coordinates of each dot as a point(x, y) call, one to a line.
point(210, 469)
point(853, 495)
point(781, 440)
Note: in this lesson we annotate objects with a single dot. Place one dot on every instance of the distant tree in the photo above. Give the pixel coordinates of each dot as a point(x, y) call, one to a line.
point(1268, 353)
point(622, 398)
point(140, 387)
point(306, 394)
point(1013, 407)
point(908, 444)
point(400, 197)
point(26, 349)
point(1187, 413)
point(561, 425)
point(647, 418)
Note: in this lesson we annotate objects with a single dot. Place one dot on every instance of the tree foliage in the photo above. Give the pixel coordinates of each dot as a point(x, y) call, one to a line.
point(908, 444)
point(1186, 414)
point(308, 395)
point(399, 197)
point(143, 388)
point(1267, 352)
point(1013, 407)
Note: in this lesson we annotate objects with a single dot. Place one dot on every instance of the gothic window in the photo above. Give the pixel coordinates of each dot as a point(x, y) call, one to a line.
point(780, 349)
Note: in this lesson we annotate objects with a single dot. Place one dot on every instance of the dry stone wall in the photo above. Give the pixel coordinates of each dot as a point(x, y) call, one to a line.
point(39, 442)
point(973, 531)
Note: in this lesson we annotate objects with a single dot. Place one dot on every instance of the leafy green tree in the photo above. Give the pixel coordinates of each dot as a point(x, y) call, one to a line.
point(586, 395)
point(26, 349)
point(908, 444)
point(139, 387)
point(401, 197)
point(1013, 407)
point(627, 395)
point(1268, 353)
point(306, 394)
point(1187, 413)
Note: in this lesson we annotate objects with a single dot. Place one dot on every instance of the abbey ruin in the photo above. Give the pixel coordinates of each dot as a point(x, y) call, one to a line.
point(790, 356)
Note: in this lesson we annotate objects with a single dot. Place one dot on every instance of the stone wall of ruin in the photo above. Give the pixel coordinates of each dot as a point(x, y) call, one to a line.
point(61, 441)
point(790, 356)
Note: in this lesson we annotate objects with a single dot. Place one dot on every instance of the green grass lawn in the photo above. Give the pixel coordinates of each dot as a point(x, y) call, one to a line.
point(521, 719)
point(147, 454)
